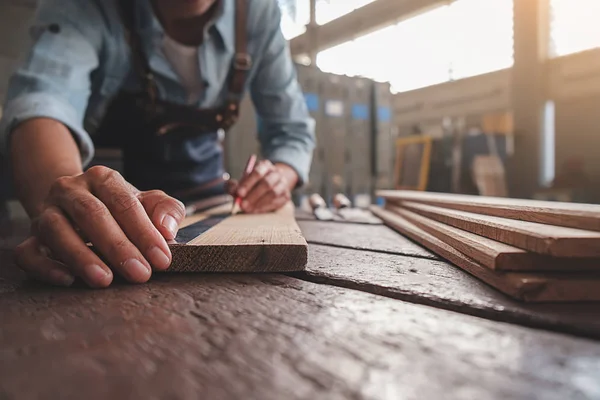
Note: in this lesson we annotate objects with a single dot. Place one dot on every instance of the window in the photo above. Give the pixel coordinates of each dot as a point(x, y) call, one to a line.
point(466, 38)
point(574, 26)
point(295, 15)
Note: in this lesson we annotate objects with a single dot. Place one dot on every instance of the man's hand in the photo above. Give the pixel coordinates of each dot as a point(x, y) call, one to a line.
point(127, 228)
point(267, 188)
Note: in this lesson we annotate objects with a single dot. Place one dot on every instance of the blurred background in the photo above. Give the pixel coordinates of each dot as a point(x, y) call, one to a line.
point(490, 97)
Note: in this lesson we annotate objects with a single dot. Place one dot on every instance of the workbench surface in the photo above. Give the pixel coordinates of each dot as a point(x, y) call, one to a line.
point(375, 316)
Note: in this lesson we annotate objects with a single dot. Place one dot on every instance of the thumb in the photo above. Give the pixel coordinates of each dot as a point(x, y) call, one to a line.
point(165, 212)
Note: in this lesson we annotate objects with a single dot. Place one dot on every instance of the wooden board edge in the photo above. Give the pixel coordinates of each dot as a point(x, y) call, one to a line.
point(586, 217)
point(521, 286)
point(485, 254)
point(248, 258)
point(580, 245)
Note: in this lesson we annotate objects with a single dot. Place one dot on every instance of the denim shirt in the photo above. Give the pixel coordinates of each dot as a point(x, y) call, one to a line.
point(79, 60)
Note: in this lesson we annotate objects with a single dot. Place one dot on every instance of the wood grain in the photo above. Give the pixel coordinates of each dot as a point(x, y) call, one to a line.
point(541, 287)
point(493, 254)
point(359, 218)
point(245, 243)
point(192, 219)
point(442, 285)
point(580, 216)
point(272, 337)
point(550, 240)
point(362, 237)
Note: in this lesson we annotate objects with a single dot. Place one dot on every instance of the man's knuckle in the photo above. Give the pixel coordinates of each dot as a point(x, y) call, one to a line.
point(124, 202)
point(62, 185)
point(118, 247)
point(154, 193)
point(85, 206)
point(98, 172)
point(172, 206)
point(48, 220)
point(179, 207)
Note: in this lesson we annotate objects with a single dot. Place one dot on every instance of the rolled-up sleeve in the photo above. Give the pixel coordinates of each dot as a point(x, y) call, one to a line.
point(287, 130)
point(53, 80)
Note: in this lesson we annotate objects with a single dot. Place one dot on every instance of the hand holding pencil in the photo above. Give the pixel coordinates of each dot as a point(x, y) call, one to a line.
point(264, 187)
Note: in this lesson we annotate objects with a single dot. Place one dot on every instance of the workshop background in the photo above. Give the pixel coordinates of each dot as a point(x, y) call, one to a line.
point(500, 97)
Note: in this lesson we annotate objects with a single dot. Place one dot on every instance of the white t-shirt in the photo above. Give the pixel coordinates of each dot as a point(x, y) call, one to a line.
point(184, 60)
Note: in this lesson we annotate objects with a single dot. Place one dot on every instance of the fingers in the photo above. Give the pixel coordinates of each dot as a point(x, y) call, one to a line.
point(97, 223)
point(231, 187)
point(273, 199)
point(33, 258)
point(262, 169)
point(131, 216)
point(263, 188)
point(127, 229)
point(54, 230)
point(165, 212)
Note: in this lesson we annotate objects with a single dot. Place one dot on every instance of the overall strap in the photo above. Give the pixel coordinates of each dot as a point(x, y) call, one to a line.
point(140, 61)
point(242, 61)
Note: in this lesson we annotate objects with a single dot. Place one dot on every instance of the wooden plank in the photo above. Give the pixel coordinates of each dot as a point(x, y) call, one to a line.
point(245, 243)
point(361, 237)
point(550, 240)
point(442, 285)
point(353, 217)
point(493, 254)
point(580, 216)
point(192, 219)
point(541, 287)
point(272, 337)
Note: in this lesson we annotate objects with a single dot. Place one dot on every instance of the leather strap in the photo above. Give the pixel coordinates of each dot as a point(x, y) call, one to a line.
point(140, 61)
point(242, 62)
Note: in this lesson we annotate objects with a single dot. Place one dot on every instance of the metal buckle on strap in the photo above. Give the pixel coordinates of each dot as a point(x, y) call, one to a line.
point(242, 62)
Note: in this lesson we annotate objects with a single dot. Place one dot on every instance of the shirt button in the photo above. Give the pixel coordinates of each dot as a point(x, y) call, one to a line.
point(54, 28)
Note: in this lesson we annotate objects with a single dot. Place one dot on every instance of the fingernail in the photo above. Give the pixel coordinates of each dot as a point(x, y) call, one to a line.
point(171, 224)
point(62, 278)
point(97, 273)
point(158, 258)
point(241, 192)
point(135, 269)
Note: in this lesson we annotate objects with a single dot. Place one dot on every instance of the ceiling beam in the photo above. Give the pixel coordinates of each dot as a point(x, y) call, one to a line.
point(367, 19)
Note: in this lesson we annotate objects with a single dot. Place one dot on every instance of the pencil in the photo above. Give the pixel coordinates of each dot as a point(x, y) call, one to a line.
point(247, 171)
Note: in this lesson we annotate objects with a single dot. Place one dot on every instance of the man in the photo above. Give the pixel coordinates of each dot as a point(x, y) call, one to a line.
point(160, 77)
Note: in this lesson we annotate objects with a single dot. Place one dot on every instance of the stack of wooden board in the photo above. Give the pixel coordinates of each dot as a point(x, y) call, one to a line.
point(530, 250)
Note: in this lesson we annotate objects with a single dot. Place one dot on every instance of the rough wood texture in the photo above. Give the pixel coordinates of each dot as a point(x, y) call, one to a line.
point(493, 254)
point(362, 218)
point(219, 210)
point(541, 287)
point(361, 237)
point(272, 337)
point(442, 285)
point(581, 216)
point(550, 240)
point(245, 243)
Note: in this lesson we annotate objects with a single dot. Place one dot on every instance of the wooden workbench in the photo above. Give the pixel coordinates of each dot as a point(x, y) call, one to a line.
point(374, 317)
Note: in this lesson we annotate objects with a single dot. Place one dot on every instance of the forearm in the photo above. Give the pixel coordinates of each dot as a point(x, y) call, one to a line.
point(42, 150)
